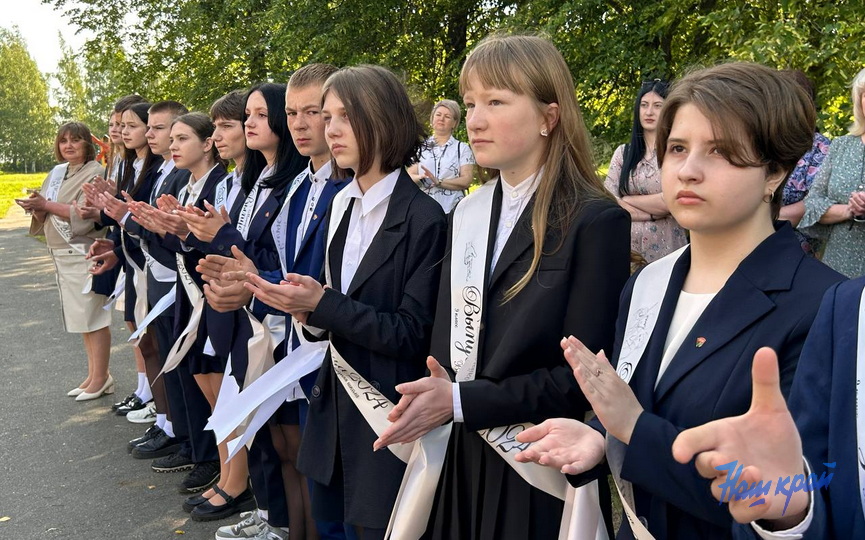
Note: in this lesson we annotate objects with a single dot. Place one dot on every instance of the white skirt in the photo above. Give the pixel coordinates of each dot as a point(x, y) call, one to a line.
point(82, 312)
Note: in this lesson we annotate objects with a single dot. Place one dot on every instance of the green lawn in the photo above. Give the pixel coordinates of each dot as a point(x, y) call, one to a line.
point(12, 186)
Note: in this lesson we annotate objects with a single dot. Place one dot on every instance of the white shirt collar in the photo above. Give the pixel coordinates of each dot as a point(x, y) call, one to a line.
point(322, 174)
point(374, 195)
point(167, 167)
point(524, 189)
point(194, 189)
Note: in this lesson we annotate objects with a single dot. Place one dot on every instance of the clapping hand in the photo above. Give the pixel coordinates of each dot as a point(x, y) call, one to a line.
point(296, 294)
point(34, 203)
point(764, 440)
point(101, 253)
point(205, 225)
point(611, 398)
point(564, 444)
point(425, 404)
point(225, 277)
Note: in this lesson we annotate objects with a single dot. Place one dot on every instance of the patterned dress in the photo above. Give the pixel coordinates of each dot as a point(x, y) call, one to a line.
point(651, 239)
point(842, 172)
point(800, 182)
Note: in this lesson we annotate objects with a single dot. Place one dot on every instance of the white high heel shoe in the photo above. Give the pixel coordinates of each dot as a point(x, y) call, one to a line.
point(75, 392)
point(107, 388)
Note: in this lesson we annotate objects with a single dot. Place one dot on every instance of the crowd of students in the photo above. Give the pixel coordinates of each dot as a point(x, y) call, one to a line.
point(330, 355)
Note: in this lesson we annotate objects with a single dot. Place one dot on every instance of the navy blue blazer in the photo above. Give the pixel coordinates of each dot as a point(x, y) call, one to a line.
point(382, 327)
point(771, 300)
point(823, 402)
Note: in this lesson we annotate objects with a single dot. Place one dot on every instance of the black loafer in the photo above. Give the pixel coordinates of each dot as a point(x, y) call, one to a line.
point(151, 432)
point(125, 401)
point(134, 404)
point(160, 445)
point(192, 501)
point(233, 505)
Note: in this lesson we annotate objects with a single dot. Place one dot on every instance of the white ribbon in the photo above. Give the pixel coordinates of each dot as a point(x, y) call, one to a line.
point(190, 332)
point(119, 287)
point(471, 226)
point(280, 224)
point(860, 406)
point(649, 290)
point(158, 309)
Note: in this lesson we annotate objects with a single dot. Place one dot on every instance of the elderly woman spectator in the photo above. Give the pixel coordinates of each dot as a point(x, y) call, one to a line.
point(68, 237)
point(444, 170)
point(835, 206)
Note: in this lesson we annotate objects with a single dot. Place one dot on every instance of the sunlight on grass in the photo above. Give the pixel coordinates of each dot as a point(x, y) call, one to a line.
point(12, 187)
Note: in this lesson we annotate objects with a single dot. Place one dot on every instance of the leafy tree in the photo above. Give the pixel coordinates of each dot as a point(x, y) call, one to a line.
point(27, 128)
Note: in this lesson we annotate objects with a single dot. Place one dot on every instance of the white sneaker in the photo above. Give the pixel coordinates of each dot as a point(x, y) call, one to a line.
point(249, 527)
point(271, 533)
point(147, 415)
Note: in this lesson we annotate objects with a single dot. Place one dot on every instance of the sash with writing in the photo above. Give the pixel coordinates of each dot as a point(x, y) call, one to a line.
point(249, 208)
point(860, 406)
point(63, 227)
point(372, 404)
point(190, 332)
point(648, 294)
point(471, 228)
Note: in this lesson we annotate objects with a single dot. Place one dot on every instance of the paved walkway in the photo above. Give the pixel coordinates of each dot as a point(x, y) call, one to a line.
point(64, 470)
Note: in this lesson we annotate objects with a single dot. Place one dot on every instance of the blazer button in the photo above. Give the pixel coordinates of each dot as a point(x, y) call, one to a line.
point(376, 385)
point(220, 247)
point(316, 391)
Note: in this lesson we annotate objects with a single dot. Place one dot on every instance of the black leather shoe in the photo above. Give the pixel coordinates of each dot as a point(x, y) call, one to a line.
point(160, 445)
point(125, 401)
point(151, 432)
point(203, 476)
point(133, 404)
point(192, 501)
point(175, 462)
point(233, 505)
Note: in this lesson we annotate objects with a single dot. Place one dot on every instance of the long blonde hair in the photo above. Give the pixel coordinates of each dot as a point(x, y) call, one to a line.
point(532, 66)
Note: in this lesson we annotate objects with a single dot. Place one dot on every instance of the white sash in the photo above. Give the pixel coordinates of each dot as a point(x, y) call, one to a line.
point(190, 333)
point(63, 227)
point(139, 283)
point(471, 227)
point(649, 290)
point(277, 230)
point(248, 210)
point(159, 308)
point(119, 287)
point(221, 194)
point(860, 406)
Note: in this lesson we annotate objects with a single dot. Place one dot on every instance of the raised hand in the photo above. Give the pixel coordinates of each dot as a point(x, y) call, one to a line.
point(564, 444)
point(114, 207)
point(86, 212)
point(148, 217)
point(217, 267)
point(764, 440)
point(205, 225)
point(296, 294)
point(34, 203)
point(226, 296)
point(426, 404)
point(611, 398)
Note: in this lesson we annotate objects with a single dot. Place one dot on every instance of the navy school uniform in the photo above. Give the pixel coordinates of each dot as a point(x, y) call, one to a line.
point(823, 403)
point(771, 300)
point(522, 375)
point(382, 327)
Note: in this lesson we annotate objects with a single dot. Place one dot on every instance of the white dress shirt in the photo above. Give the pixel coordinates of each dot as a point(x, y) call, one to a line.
point(514, 202)
point(367, 215)
point(164, 170)
point(136, 169)
point(234, 189)
point(318, 180)
point(689, 307)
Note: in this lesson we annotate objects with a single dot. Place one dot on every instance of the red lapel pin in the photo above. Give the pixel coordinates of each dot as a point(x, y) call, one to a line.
point(700, 342)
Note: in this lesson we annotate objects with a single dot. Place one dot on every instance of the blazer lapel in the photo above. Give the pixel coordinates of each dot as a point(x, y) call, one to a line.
point(213, 180)
point(327, 192)
point(390, 234)
point(263, 217)
point(520, 240)
point(741, 302)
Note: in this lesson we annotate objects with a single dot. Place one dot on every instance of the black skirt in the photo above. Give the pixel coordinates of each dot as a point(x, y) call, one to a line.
point(480, 496)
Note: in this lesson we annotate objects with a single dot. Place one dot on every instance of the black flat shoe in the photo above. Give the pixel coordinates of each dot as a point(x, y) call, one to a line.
point(160, 445)
point(125, 401)
point(151, 432)
point(133, 404)
point(191, 502)
point(207, 511)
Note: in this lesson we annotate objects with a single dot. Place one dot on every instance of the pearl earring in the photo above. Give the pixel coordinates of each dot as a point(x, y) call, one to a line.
point(544, 132)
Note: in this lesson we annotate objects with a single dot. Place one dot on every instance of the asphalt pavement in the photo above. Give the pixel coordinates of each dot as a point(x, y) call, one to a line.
point(64, 468)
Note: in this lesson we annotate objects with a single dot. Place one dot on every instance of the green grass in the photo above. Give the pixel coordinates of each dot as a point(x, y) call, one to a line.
point(12, 187)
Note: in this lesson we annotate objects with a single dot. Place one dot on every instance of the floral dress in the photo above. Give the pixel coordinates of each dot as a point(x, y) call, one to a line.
point(651, 239)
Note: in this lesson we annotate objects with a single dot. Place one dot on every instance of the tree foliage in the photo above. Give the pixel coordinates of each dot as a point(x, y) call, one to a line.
point(26, 123)
point(197, 50)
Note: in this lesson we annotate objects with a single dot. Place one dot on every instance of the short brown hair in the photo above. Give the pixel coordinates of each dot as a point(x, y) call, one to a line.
point(127, 101)
point(451, 106)
point(175, 108)
point(229, 107)
point(76, 130)
point(311, 74)
point(382, 117)
point(761, 117)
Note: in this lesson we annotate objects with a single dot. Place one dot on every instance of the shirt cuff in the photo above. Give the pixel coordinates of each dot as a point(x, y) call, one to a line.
point(794, 533)
point(458, 404)
point(314, 330)
point(124, 218)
